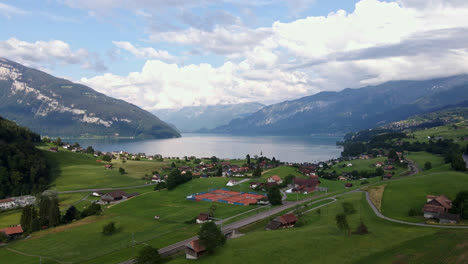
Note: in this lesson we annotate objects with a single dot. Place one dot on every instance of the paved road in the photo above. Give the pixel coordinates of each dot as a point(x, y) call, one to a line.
point(107, 189)
point(379, 214)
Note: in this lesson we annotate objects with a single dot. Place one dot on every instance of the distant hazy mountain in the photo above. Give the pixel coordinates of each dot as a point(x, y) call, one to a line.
point(352, 109)
point(57, 107)
point(194, 118)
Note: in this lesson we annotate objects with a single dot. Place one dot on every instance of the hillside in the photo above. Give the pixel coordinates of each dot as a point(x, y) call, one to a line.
point(23, 168)
point(194, 118)
point(57, 107)
point(352, 109)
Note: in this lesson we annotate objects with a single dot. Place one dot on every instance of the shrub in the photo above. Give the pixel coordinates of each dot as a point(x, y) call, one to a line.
point(361, 229)
point(413, 212)
point(122, 170)
point(148, 255)
point(109, 229)
point(348, 208)
point(428, 165)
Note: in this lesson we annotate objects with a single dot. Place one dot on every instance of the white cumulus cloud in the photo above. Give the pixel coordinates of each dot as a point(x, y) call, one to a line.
point(145, 52)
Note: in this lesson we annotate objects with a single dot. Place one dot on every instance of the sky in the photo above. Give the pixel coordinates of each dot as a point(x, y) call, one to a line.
point(160, 54)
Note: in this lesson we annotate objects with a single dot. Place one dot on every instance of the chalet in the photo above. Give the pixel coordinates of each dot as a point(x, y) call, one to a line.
point(284, 221)
point(390, 167)
point(7, 204)
point(203, 218)
point(379, 164)
point(114, 196)
point(387, 176)
point(231, 183)
point(436, 205)
point(194, 249)
point(142, 155)
point(13, 232)
point(275, 178)
point(305, 185)
point(53, 149)
point(341, 178)
point(157, 178)
point(255, 185)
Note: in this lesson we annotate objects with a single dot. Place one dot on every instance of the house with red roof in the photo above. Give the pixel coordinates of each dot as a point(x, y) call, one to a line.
point(305, 185)
point(194, 249)
point(203, 218)
point(275, 178)
point(284, 221)
point(436, 205)
point(13, 231)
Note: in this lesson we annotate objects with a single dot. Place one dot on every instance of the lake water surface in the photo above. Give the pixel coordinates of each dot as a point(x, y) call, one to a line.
point(284, 148)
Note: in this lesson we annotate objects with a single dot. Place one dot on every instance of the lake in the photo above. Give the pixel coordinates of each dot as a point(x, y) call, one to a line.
point(284, 148)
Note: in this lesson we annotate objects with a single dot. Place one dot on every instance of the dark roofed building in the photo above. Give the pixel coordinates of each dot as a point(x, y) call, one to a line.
point(194, 249)
point(446, 218)
point(203, 218)
point(114, 196)
point(305, 185)
point(284, 221)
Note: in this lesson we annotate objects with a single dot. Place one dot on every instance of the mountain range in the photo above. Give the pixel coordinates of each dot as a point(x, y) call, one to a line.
point(57, 107)
point(196, 118)
point(352, 109)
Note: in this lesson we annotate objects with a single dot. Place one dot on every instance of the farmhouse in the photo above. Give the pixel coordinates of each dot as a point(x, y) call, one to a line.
point(436, 205)
point(284, 221)
point(53, 149)
point(305, 185)
point(203, 218)
point(341, 178)
point(388, 176)
point(114, 196)
point(275, 178)
point(7, 204)
point(446, 218)
point(12, 232)
point(156, 178)
point(194, 249)
point(255, 185)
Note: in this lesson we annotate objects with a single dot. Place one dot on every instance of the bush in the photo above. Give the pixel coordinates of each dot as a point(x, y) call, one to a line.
point(93, 209)
point(348, 208)
point(413, 212)
point(428, 165)
point(211, 236)
point(3, 237)
point(109, 229)
point(364, 182)
point(122, 170)
point(148, 255)
point(361, 229)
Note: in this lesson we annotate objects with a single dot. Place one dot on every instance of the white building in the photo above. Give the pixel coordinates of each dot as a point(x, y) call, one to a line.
point(7, 204)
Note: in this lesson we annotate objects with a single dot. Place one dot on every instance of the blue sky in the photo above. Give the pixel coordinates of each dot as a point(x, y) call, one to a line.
point(168, 54)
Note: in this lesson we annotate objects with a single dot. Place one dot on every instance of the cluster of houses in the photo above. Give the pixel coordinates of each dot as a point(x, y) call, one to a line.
point(17, 202)
point(437, 207)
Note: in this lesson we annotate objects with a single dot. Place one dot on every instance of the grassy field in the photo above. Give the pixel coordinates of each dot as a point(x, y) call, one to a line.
point(134, 217)
point(400, 196)
point(362, 165)
point(281, 171)
point(74, 171)
point(9, 218)
point(422, 157)
point(319, 240)
point(447, 132)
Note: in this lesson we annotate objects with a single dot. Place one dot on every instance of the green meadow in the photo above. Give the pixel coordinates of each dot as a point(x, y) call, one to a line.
point(134, 218)
point(362, 165)
point(401, 196)
point(319, 240)
point(281, 171)
point(420, 158)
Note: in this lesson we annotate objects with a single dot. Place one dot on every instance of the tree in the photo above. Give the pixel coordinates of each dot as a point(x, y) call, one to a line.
point(58, 142)
point(122, 170)
point(257, 172)
point(274, 195)
point(71, 214)
point(219, 171)
point(458, 163)
point(379, 172)
point(109, 229)
point(211, 236)
point(173, 165)
point(92, 209)
point(393, 155)
point(460, 204)
point(148, 255)
point(248, 158)
point(212, 210)
point(428, 165)
point(159, 186)
point(27, 217)
point(54, 213)
point(214, 159)
point(361, 229)
point(342, 223)
point(106, 158)
point(89, 150)
point(348, 208)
